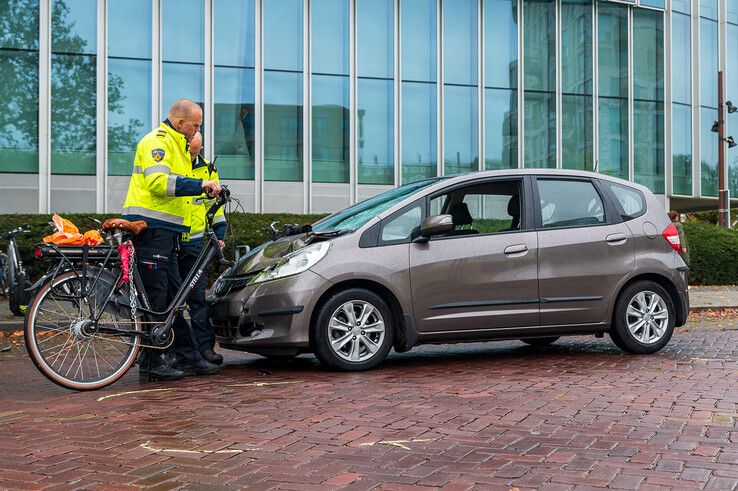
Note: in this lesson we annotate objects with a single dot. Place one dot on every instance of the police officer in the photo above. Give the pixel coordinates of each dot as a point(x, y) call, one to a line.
point(189, 250)
point(156, 194)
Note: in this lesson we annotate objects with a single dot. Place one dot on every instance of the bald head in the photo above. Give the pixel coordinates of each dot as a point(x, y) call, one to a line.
point(186, 117)
point(195, 145)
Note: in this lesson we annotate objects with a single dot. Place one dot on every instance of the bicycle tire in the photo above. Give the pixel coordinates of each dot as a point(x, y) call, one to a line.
point(75, 334)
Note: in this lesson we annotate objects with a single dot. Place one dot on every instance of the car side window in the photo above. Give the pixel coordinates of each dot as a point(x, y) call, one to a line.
point(631, 201)
point(486, 208)
point(569, 203)
point(400, 227)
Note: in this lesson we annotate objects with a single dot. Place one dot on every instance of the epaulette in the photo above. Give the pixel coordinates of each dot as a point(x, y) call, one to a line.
point(161, 133)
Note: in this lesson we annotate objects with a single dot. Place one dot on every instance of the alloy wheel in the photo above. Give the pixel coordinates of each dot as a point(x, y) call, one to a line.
point(356, 331)
point(647, 317)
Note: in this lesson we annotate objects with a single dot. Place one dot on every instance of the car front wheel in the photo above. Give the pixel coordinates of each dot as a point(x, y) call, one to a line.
point(354, 330)
point(643, 321)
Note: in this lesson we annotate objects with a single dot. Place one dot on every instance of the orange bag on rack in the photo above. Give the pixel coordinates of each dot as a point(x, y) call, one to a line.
point(93, 237)
point(68, 234)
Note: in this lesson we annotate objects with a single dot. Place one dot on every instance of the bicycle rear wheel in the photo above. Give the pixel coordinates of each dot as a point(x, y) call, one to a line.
point(62, 339)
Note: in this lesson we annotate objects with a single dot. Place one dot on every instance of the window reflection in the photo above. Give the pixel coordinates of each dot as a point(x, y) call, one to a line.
point(73, 86)
point(183, 53)
point(708, 152)
point(461, 146)
point(501, 43)
point(501, 129)
point(129, 81)
point(19, 86)
point(682, 149)
point(282, 126)
point(418, 28)
point(282, 34)
point(460, 42)
point(375, 125)
point(375, 38)
point(330, 131)
point(418, 131)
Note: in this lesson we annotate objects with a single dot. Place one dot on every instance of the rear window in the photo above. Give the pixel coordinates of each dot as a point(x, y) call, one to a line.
point(631, 202)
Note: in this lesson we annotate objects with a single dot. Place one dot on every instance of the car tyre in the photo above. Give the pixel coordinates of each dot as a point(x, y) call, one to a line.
point(643, 319)
point(541, 342)
point(354, 330)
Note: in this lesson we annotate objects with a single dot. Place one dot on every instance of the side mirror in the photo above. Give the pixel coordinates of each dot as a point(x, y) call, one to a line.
point(241, 250)
point(436, 225)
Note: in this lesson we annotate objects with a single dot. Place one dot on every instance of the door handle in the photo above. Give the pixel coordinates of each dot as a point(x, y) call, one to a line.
point(615, 239)
point(516, 249)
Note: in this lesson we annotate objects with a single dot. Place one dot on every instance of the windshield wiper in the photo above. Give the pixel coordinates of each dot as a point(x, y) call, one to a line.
point(331, 233)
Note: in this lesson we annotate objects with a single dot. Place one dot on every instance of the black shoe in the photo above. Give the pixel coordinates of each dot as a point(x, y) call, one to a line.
point(200, 367)
point(170, 359)
point(213, 357)
point(161, 372)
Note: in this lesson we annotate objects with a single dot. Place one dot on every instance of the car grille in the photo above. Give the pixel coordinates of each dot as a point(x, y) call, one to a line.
point(229, 284)
point(227, 326)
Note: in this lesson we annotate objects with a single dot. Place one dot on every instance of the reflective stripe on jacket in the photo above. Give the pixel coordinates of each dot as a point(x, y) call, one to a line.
point(198, 206)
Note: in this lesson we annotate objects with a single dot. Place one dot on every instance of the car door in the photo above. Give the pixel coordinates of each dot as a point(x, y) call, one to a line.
point(482, 275)
point(583, 250)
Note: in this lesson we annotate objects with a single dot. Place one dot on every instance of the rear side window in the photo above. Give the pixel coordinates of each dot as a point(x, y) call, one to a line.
point(631, 202)
point(569, 203)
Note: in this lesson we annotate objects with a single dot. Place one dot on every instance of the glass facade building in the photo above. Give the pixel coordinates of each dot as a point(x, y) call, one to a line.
point(312, 105)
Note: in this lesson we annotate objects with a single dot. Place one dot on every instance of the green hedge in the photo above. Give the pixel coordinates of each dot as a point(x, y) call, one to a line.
point(246, 228)
point(713, 254)
point(713, 250)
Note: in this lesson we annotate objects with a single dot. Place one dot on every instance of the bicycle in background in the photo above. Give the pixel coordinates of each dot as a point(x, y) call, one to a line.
point(16, 279)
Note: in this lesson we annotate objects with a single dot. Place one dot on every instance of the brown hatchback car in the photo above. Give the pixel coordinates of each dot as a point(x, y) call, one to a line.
point(519, 254)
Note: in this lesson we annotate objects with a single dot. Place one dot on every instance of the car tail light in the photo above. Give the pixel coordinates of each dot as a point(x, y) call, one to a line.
point(671, 235)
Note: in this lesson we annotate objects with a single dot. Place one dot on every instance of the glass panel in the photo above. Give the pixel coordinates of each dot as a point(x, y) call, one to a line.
point(732, 14)
point(19, 127)
point(577, 141)
point(19, 86)
point(330, 114)
point(659, 4)
point(460, 42)
point(419, 154)
point(613, 88)
point(20, 24)
point(631, 200)
point(681, 54)
point(233, 35)
point(501, 129)
point(375, 38)
point(401, 226)
point(73, 87)
point(683, 6)
point(282, 126)
point(613, 140)
point(576, 42)
point(682, 149)
point(282, 30)
point(330, 36)
point(540, 45)
point(709, 152)
point(129, 111)
point(648, 145)
point(708, 63)
point(540, 76)
point(74, 26)
point(648, 66)
point(501, 43)
point(576, 78)
point(183, 31)
point(731, 89)
point(461, 143)
point(709, 9)
point(234, 122)
point(540, 130)
point(418, 18)
point(375, 131)
point(181, 80)
point(129, 28)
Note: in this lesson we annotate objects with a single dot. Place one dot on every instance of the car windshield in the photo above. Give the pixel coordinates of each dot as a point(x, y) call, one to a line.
point(355, 216)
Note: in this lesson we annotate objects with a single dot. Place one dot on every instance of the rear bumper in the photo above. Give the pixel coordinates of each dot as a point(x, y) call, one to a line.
point(682, 304)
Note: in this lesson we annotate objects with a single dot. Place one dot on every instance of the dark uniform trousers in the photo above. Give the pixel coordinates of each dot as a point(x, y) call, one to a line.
point(156, 251)
point(202, 331)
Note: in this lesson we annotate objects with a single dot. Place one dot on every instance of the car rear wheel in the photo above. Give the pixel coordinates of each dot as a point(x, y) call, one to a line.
point(354, 330)
point(644, 317)
point(539, 342)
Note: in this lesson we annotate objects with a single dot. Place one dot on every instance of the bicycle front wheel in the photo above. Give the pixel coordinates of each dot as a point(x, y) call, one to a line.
point(67, 346)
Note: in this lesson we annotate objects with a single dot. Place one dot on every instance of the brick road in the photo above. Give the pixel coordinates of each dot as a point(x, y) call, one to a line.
point(579, 414)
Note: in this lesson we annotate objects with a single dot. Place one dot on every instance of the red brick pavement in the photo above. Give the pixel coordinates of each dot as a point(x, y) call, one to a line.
point(579, 414)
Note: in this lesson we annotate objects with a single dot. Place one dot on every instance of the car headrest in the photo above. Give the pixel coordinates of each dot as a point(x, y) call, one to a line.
point(460, 214)
point(513, 206)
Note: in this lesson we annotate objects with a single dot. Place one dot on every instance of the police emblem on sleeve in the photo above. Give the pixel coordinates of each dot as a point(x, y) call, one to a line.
point(157, 154)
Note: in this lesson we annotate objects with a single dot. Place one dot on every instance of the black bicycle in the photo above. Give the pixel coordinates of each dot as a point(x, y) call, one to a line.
point(90, 318)
point(16, 280)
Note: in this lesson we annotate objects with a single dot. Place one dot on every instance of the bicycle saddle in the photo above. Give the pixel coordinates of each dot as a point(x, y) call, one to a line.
point(134, 227)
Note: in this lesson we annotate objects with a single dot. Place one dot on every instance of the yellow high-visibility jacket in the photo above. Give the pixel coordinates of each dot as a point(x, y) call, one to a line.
point(198, 206)
point(160, 181)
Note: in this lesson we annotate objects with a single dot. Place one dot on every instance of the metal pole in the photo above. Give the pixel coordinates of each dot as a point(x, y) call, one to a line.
point(722, 191)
